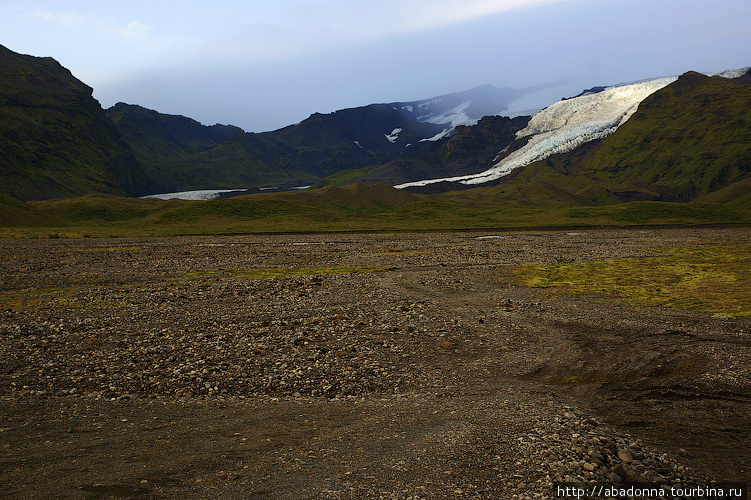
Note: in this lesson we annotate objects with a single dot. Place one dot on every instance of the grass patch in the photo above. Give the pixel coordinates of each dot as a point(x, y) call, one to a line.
point(353, 208)
point(45, 298)
point(283, 272)
point(715, 279)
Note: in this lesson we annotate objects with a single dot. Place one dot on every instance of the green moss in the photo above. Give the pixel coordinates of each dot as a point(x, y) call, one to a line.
point(692, 137)
point(712, 279)
point(293, 271)
point(351, 208)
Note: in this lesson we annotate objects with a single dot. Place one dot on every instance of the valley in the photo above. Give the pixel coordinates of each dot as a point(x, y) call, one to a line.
point(359, 365)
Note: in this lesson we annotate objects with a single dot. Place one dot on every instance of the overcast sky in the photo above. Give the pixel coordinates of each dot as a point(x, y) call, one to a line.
point(265, 64)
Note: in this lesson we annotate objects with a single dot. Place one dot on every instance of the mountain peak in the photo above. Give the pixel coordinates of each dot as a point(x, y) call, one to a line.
point(22, 73)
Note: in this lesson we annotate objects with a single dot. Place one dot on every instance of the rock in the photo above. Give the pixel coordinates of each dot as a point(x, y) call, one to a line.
point(572, 481)
point(618, 470)
point(625, 456)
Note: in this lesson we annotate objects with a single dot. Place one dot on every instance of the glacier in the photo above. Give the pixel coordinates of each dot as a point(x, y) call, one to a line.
point(197, 195)
point(564, 126)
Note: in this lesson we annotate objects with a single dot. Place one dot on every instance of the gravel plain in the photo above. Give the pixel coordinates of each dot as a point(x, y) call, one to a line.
point(394, 366)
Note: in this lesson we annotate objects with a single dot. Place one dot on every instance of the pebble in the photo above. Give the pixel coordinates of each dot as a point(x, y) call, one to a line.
point(552, 458)
point(174, 334)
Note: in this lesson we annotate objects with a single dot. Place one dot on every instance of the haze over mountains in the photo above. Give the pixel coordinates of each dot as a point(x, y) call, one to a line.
point(673, 138)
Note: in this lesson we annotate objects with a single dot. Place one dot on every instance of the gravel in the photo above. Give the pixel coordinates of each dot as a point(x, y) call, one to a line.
point(439, 341)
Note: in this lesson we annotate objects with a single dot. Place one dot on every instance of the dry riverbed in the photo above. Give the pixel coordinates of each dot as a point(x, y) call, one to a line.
point(366, 366)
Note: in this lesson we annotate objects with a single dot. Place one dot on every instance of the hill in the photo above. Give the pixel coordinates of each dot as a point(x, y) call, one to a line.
point(158, 139)
point(689, 141)
point(55, 140)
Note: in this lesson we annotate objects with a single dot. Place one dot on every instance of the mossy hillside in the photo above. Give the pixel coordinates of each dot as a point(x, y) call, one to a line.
point(345, 177)
point(692, 137)
point(713, 278)
point(158, 138)
point(352, 208)
point(55, 140)
point(737, 194)
point(247, 160)
point(18, 214)
point(102, 208)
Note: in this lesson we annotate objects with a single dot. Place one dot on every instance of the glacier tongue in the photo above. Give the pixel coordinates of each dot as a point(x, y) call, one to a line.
point(611, 107)
point(566, 125)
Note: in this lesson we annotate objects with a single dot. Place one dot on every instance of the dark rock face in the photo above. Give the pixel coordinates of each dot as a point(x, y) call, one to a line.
point(469, 151)
point(158, 137)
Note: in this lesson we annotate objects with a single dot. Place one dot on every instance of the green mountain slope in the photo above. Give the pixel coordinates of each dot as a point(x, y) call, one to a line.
point(159, 140)
point(55, 139)
point(243, 160)
point(686, 141)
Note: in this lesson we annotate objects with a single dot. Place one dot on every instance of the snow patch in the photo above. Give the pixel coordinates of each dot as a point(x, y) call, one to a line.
point(440, 135)
point(455, 116)
point(393, 136)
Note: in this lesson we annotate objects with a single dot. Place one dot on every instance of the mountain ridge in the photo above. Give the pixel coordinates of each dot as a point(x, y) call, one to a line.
point(55, 139)
point(326, 144)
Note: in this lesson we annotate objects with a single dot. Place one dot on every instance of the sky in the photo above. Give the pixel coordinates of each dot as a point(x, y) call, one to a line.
point(263, 65)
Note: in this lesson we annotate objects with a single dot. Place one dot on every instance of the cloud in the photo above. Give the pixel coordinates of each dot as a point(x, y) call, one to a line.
point(428, 14)
point(300, 28)
point(133, 30)
point(67, 18)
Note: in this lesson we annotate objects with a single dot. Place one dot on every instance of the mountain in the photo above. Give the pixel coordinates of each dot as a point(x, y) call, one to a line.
point(327, 144)
point(158, 140)
point(468, 150)
point(597, 113)
point(674, 139)
point(690, 140)
point(55, 140)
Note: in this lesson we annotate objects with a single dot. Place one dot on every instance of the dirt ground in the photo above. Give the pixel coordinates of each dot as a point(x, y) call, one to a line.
point(398, 366)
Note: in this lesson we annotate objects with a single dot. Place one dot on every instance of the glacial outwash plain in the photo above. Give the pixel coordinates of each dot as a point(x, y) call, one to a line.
point(476, 364)
point(414, 300)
